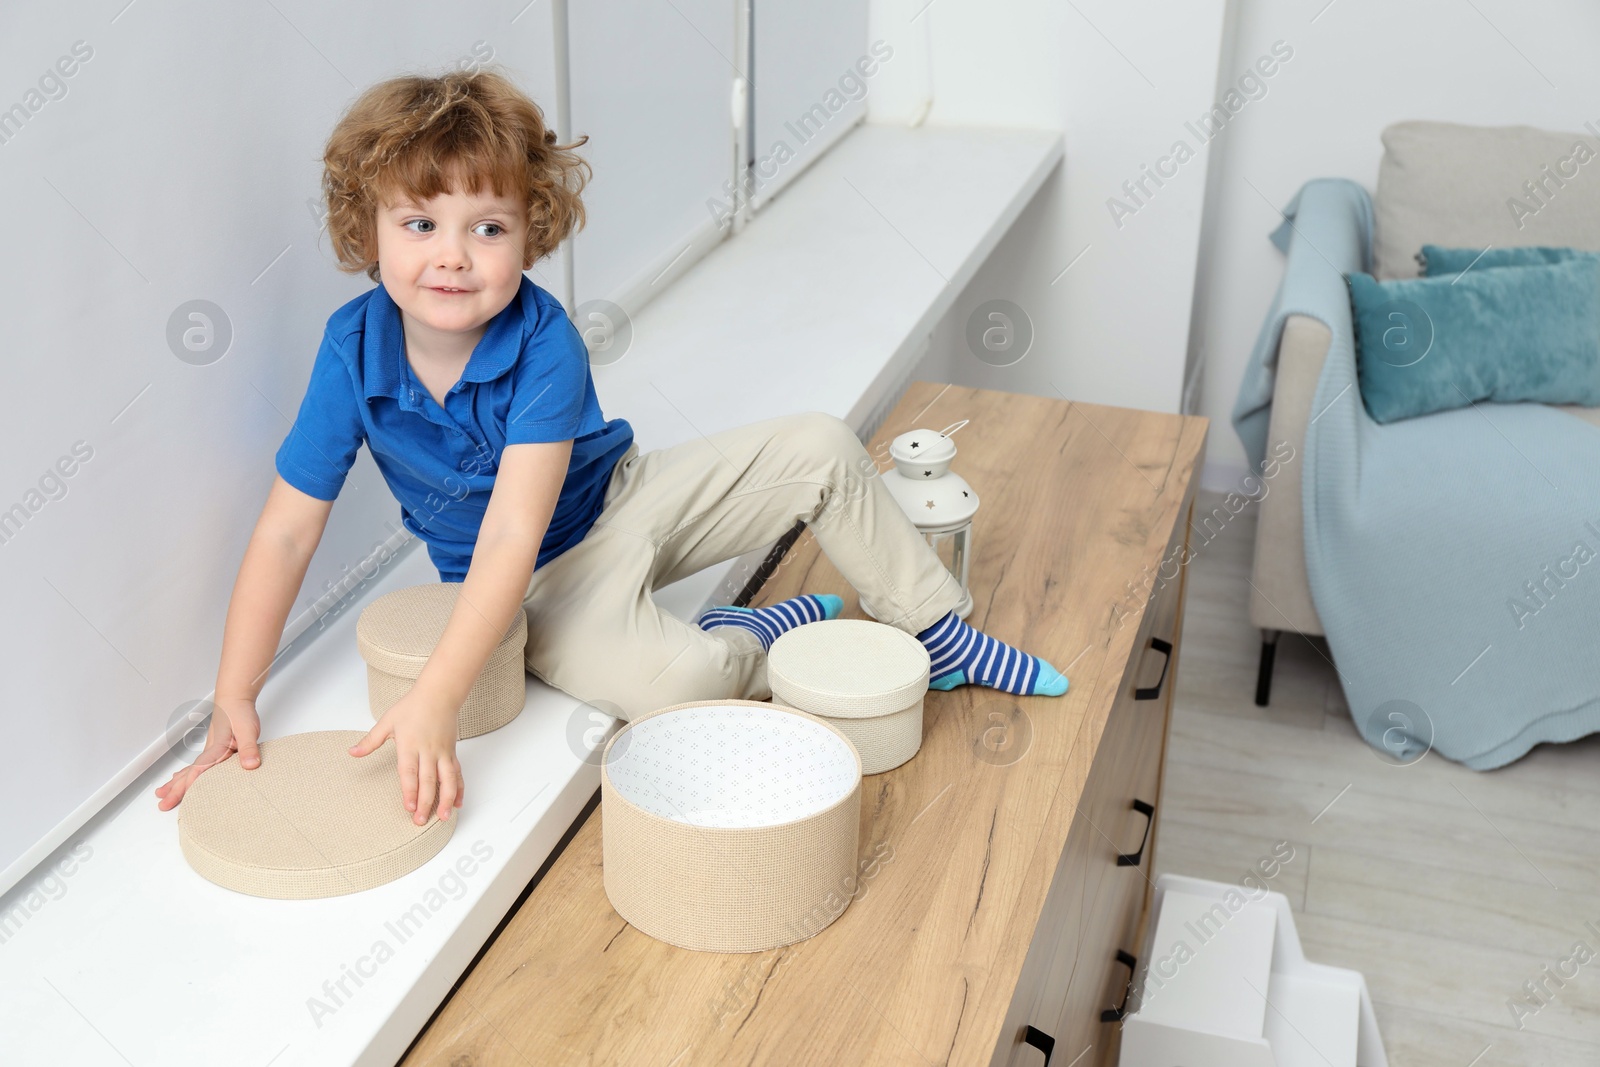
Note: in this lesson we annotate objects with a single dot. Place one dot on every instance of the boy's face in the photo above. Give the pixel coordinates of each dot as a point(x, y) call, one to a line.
point(453, 262)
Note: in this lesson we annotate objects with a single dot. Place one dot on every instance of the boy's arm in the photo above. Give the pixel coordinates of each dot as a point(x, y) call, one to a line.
point(285, 537)
point(424, 721)
point(275, 561)
point(526, 488)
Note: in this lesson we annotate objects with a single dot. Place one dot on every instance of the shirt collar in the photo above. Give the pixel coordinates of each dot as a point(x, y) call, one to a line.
point(383, 347)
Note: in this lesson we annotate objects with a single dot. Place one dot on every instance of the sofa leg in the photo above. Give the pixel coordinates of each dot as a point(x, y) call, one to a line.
point(1269, 649)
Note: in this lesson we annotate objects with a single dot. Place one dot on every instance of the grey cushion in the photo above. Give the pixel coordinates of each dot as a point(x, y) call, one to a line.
point(1446, 184)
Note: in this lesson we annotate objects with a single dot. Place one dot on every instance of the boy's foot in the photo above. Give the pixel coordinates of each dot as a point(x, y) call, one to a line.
point(775, 619)
point(964, 656)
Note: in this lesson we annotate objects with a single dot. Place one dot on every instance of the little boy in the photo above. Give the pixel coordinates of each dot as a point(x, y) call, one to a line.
point(472, 389)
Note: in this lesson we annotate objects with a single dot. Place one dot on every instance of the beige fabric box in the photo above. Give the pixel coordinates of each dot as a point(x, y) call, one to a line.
point(729, 825)
point(311, 821)
point(868, 679)
point(399, 631)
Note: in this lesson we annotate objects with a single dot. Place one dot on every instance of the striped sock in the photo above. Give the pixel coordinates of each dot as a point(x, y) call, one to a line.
point(964, 656)
point(769, 622)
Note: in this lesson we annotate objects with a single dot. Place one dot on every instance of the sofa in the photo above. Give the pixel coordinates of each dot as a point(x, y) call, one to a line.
point(1438, 183)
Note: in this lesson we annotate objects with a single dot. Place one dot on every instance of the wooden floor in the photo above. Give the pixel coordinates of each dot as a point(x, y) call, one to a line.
point(1448, 888)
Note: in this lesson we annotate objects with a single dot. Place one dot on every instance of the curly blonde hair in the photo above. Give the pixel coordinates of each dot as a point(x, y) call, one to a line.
point(418, 137)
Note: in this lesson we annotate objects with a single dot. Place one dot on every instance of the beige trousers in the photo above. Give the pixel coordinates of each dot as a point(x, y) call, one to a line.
point(595, 633)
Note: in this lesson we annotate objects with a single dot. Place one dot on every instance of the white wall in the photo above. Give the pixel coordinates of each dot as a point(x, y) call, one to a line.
point(151, 156)
point(1120, 77)
point(1360, 65)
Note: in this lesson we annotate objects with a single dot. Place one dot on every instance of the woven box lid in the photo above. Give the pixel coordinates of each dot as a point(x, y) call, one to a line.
point(848, 668)
point(310, 821)
point(729, 825)
point(398, 631)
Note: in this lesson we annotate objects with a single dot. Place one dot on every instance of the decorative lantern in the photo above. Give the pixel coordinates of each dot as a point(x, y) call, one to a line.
point(938, 501)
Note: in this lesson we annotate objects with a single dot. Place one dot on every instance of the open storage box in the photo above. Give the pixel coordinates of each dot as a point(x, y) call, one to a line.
point(729, 825)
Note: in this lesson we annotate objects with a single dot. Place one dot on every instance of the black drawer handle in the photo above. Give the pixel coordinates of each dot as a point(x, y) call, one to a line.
point(1111, 1015)
point(1041, 1041)
point(1133, 859)
point(1154, 692)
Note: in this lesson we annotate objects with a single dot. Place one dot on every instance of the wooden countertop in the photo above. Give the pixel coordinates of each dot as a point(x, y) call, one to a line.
point(958, 845)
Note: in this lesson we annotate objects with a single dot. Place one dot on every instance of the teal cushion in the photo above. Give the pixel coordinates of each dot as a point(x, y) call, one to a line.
point(1505, 335)
point(1436, 260)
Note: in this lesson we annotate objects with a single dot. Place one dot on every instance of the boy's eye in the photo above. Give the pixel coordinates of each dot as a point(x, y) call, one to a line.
point(429, 226)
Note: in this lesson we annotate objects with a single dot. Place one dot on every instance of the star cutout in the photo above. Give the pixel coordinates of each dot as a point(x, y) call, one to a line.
point(930, 504)
point(927, 474)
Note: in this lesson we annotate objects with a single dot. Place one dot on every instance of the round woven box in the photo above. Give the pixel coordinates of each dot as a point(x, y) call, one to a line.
point(310, 821)
point(729, 825)
point(399, 631)
point(866, 678)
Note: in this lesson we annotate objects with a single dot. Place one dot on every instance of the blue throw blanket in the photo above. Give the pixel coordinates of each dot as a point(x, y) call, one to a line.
point(1454, 559)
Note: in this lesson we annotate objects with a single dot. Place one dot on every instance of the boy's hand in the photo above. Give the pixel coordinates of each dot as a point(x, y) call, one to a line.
point(235, 726)
point(424, 733)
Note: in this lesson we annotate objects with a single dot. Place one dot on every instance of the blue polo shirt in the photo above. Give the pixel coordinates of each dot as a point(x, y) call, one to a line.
point(528, 380)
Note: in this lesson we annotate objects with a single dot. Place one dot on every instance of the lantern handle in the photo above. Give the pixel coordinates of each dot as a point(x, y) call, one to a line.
point(953, 427)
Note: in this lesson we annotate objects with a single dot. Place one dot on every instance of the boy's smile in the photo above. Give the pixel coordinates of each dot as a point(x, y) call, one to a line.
point(451, 264)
